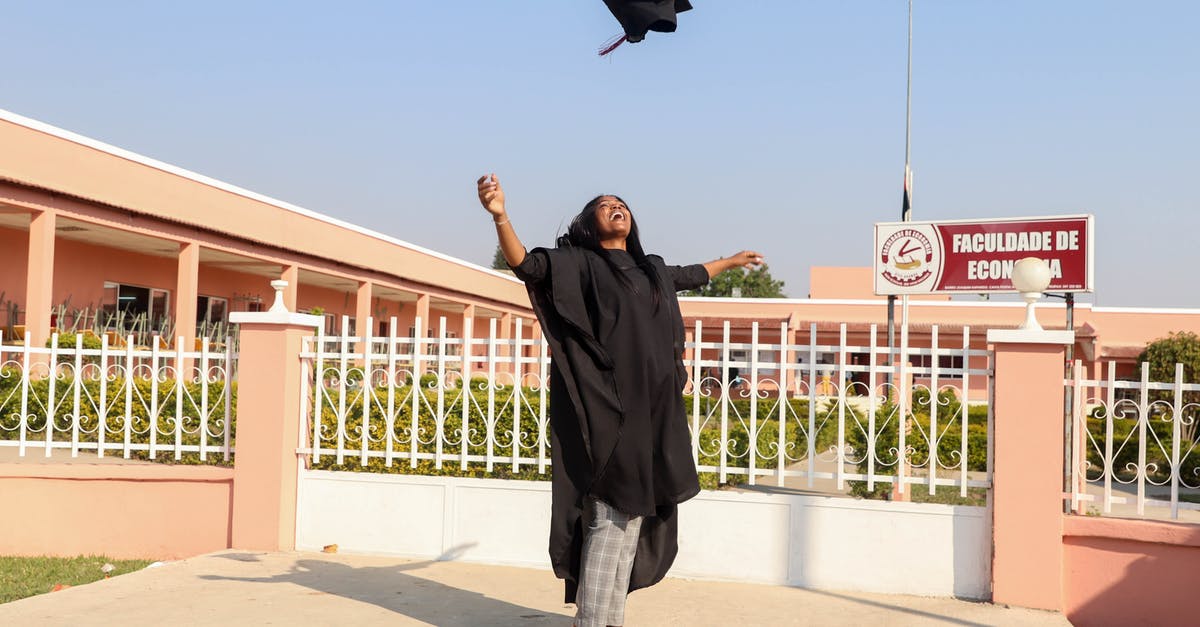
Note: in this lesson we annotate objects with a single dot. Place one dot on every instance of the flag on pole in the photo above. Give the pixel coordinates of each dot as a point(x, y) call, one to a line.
point(906, 205)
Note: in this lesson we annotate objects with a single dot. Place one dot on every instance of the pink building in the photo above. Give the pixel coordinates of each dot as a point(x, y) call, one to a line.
point(118, 242)
point(93, 238)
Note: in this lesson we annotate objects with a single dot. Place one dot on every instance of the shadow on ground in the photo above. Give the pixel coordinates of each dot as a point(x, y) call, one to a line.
point(934, 618)
point(393, 588)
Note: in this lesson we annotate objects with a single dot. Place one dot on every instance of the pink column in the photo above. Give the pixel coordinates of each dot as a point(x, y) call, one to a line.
point(423, 310)
point(291, 274)
point(468, 313)
point(468, 329)
point(362, 310)
point(505, 334)
point(39, 283)
point(268, 428)
point(533, 350)
point(689, 336)
point(187, 286)
point(790, 357)
point(1027, 492)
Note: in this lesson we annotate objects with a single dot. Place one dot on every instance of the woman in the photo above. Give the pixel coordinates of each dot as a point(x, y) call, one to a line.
point(620, 446)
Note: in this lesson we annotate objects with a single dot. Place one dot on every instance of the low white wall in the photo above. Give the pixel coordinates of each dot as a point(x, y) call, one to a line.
point(811, 541)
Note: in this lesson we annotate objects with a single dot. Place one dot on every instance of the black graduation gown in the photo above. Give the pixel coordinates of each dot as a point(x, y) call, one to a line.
point(618, 426)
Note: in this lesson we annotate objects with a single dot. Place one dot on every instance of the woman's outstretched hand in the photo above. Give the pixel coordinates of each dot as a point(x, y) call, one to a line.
point(744, 259)
point(491, 195)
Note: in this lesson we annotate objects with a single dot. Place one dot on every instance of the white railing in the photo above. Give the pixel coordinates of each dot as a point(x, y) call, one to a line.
point(1135, 445)
point(854, 414)
point(123, 401)
point(481, 403)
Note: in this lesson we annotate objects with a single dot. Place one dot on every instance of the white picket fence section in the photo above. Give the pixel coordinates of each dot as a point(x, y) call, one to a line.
point(117, 400)
point(481, 404)
point(1135, 445)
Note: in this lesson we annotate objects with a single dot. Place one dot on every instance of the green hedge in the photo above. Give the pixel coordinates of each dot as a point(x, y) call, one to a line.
point(917, 436)
point(1126, 441)
point(768, 432)
point(738, 421)
point(530, 410)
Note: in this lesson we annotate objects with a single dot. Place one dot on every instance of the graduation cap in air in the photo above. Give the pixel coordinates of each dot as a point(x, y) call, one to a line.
point(638, 17)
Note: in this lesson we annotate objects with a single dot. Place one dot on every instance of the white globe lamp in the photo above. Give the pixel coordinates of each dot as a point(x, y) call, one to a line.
point(1031, 277)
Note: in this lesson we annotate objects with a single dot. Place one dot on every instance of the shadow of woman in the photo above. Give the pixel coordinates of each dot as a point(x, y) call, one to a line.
point(392, 588)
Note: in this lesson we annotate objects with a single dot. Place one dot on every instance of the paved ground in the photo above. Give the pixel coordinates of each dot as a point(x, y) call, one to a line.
point(36, 454)
point(240, 588)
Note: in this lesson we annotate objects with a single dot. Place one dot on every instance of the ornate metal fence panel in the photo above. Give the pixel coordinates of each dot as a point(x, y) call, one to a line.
point(1134, 445)
point(432, 404)
point(89, 397)
point(888, 418)
point(829, 416)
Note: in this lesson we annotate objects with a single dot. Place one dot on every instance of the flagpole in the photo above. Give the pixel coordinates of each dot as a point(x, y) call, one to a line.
point(906, 216)
point(906, 207)
point(907, 211)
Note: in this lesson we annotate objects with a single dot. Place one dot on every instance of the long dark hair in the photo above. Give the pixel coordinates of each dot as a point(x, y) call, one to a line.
point(582, 234)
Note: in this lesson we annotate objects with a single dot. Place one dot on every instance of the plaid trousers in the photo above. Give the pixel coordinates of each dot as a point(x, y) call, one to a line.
point(608, 551)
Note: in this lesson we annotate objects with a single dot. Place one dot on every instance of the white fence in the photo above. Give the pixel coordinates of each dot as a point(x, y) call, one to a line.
point(130, 401)
point(1135, 445)
point(480, 407)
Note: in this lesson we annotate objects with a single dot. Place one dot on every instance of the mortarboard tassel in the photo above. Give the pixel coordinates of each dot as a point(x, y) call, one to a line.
point(612, 44)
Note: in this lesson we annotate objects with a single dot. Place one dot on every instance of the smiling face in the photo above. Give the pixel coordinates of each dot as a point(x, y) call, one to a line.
point(613, 219)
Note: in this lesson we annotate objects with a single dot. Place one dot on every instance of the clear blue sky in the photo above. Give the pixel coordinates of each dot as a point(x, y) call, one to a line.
point(770, 125)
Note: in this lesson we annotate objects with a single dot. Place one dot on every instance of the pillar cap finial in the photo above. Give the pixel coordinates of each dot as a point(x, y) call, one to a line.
point(278, 306)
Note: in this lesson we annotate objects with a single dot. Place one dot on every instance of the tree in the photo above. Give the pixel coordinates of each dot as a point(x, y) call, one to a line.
point(498, 261)
point(1162, 355)
point(755, 283)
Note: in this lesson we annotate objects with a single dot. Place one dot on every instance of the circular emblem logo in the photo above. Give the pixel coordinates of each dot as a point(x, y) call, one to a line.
point(907, 258)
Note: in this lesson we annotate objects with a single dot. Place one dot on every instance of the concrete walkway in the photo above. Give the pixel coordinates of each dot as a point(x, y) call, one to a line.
point(241, 588)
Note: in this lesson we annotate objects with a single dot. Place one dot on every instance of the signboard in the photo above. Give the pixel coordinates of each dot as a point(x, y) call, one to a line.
point(977, 256)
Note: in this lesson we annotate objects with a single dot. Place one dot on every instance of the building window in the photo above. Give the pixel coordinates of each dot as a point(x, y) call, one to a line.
point(945, 363)
point(211, 310)
point(431, 347)
point(127, 307)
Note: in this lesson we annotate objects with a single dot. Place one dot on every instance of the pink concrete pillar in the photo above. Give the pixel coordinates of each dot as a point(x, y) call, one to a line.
point(363, 309)
point(187, 289)
point(1027, 480)
point(789, 357)
point(689, 353)
point(535, 350)
point(266, 466)
point(39, 283)
point(468, 330)
point(291, 274)
point(505, 334)
point(422, 311)
point(421, 330)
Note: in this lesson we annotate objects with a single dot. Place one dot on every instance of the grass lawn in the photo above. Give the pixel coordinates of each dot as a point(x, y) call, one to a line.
point(919, 493)
point(947, 495)
point(22, 577)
